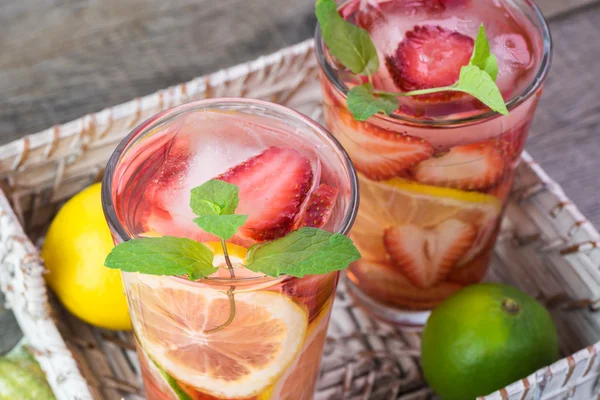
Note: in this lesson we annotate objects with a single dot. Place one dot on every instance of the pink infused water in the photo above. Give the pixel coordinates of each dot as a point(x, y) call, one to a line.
point(511, 36)
point(290, 174)
point(278, 174)
point(434, 176)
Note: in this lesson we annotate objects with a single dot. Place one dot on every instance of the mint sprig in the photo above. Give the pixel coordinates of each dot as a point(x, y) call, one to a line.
point(307, 251)
point(302, 252)
point(215, 202)
point(476, 79)
point(363, 102)
point(482, 57)
point(165, 255)
point(347, 42)
point(214, 197)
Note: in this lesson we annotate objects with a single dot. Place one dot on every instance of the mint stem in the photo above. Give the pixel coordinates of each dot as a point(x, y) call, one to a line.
point(231, 312)
point(227, 259)
point(418, 92)
point(229, 292)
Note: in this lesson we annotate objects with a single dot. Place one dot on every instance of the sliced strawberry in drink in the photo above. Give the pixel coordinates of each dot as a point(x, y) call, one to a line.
point(502, 188)
point(377, 153)
point(454, 3)
point(470, 167)
point(430, 57)
point(426, 6)
point(426, 256)
point(363, 13)
point(381, 281)
point(312, 290)
point(474, 271)
point(273, 185)
point(319, 207)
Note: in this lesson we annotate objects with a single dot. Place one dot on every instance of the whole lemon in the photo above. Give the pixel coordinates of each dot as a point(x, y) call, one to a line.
point(77, 243)
point(483, 338)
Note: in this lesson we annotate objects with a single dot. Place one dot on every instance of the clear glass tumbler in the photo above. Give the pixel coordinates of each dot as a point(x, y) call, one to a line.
point(252, 336)
point(434, 176)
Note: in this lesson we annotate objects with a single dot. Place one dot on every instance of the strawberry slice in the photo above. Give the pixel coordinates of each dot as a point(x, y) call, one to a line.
point(383, 282)
point(454, 3)
point(470, 167)
point(377, 153)
point(430, 57)
point(312, 290)
point(319, 207)
point(426, 256)
point(273, 185)
point(363, 13)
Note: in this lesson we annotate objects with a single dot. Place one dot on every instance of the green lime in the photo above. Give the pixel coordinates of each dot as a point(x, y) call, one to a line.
point(483, 338)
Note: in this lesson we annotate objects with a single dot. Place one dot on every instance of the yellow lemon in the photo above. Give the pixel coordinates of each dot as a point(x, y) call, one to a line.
point(77, 243)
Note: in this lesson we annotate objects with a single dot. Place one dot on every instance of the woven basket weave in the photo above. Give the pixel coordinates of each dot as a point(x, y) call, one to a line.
point(546, 247)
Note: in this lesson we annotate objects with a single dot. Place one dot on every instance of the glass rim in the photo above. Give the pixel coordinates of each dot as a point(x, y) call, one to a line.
point(514, 101)
point(153, 122)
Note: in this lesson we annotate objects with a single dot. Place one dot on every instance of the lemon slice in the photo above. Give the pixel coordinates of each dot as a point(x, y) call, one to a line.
point(300, 379)
point(400, 202)
point(239, 361)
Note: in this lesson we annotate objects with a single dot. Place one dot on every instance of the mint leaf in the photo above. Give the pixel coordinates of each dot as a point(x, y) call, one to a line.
point(214, 197)
point(347, 42)
point(480, 85)
point(482, 56)
point(215, 202)
point(363, 103)
point(223, 226)
point(165, 255)
point(306, 251)
point(491, 67)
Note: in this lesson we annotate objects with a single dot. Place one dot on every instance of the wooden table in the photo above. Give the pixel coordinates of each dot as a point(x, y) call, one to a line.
point(62, 59)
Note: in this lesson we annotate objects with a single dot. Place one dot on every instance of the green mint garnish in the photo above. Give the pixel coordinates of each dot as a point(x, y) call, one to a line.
point(307, 251)
point(214, 202)
point(479, 84)
point(214, 197)
point(363, 102)
point(356, 51)
point(222, 226)
point(482, 57)
point(347, 42)
point(302, 252)
point(165, 255)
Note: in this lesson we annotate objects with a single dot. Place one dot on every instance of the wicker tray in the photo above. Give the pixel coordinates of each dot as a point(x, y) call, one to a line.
point(546, 247)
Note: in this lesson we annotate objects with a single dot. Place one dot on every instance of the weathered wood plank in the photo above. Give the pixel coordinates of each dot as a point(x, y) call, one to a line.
point(553, 8)
point(62, 59)
point(565, 137)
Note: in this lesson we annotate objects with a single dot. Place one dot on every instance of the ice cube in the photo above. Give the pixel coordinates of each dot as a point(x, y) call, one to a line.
point(512, 49)
point(206, 145)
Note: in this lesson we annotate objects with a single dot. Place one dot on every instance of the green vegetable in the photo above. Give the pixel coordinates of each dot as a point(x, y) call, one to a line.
point(21, 378)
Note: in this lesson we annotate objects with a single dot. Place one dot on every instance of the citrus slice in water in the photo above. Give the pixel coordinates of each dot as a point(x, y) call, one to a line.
point(400, 202)
point(239, 361)
point(299, 381)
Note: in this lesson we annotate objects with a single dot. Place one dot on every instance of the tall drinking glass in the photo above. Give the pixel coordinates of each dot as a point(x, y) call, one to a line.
point(248, 336)
point(435, 175)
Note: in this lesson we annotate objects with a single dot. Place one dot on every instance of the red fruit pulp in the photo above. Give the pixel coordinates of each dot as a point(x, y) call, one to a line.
point(430, 57)
point(273, 186)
